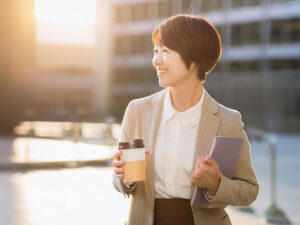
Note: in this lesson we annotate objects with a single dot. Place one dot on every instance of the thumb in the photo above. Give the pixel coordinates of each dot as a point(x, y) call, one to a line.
point(210, 161)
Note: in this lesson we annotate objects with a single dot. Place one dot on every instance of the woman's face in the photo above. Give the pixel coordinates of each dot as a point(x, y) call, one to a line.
point(171, 69)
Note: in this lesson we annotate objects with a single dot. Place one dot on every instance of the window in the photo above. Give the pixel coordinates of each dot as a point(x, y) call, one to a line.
point(122, 13)
point(284, 64)
point(245, 34)
point(139, 44)
point(164, 9)
point(140, 11)
point(118, 14)
point(284, 31)
point(283, 1)
point(137, 75)
point(134, 44)
point(211, 5)
point(247, 66)
point(122, 75)
point(122, 45)
point(244, 3)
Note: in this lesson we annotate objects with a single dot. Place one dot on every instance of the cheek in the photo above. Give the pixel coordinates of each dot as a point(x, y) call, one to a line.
point(175, 63)
point(166, 59)
point(182, 67)
point(177, 70)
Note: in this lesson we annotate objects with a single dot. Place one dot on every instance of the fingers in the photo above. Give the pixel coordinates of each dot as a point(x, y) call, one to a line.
point(200, 162)
point(200, 159)
point(119, 170)
point(117, 155)
point(204, 165)
point(210, 161)
point(118, 163)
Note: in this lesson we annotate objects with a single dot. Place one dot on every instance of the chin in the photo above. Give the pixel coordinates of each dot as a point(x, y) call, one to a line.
point(162, 84)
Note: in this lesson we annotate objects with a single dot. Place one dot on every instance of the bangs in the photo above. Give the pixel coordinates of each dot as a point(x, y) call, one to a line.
point(168, 33)
point(156, 36)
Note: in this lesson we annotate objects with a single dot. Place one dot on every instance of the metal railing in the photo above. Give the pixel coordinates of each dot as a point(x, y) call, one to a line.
point(273, 214)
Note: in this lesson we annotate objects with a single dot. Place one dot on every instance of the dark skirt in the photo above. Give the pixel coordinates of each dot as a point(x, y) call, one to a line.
point(173, 211)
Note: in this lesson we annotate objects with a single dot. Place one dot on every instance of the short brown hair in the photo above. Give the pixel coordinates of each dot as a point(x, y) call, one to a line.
point(194, 38)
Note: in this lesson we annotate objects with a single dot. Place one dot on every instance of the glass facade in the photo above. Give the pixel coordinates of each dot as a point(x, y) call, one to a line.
point(122, 13)
point(211, 5)
point(244, 3)
point(285, 31)
point(140, 11)
point(138, 44)
point(284, 1)
point(164, 9)
point(134, 75)
point(247, 66)
point(284, 64)
point(133, 45)
point(245, 34)
point(122, 45)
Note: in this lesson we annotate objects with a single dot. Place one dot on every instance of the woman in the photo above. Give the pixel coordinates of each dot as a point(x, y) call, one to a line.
point(178, 125)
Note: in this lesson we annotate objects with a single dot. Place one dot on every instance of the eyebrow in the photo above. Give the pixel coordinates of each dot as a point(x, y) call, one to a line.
point(160, 45)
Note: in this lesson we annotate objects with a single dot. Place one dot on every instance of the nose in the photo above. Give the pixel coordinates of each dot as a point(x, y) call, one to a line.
point(156, 60)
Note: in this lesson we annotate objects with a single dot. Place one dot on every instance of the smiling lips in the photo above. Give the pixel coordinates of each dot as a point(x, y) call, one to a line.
point(161, 72)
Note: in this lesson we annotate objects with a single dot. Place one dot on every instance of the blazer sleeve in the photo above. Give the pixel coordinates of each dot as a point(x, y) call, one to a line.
point(128, 124)
point(243, 188)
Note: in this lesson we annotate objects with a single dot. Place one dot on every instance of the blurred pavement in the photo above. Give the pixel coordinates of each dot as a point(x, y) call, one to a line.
point(27, 153)
point(288, 165)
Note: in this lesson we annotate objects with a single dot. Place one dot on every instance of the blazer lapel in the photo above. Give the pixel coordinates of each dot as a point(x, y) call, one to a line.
point(208, 128)
point(152, 120)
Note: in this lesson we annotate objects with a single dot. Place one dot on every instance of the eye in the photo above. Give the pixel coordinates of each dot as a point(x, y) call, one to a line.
point(155, 51)
point(165, 50)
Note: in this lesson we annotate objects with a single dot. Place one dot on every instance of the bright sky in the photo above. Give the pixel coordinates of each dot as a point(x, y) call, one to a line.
point(66, 21)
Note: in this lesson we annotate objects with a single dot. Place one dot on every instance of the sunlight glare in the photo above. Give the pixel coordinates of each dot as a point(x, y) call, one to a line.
point(66, 22)
point(74, 11)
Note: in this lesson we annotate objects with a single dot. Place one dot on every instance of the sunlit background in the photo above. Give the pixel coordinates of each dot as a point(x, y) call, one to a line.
point(66, 22)
point(68, 68)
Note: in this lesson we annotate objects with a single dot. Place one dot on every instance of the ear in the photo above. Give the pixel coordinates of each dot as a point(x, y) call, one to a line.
point(193, 66)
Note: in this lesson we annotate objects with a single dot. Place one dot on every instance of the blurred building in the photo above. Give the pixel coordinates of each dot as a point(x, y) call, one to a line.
point(17, 57)
point(258, 73)
point(61, 84)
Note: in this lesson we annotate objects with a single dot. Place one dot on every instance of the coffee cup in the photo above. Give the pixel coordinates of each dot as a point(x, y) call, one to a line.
point(133, 153)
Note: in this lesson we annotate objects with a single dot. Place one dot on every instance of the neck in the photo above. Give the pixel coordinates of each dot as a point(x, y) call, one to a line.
point(185, 97)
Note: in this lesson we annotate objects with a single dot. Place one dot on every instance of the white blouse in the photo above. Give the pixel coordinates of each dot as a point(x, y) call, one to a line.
point(174, 150)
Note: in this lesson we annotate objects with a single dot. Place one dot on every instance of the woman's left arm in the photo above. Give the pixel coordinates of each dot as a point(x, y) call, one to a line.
point(243, 188)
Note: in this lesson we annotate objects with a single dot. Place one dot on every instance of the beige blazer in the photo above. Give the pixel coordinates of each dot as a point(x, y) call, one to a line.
point(142, 119)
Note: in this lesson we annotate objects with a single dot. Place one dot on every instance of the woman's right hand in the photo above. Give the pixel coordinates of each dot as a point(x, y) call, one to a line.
point(119, 165)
